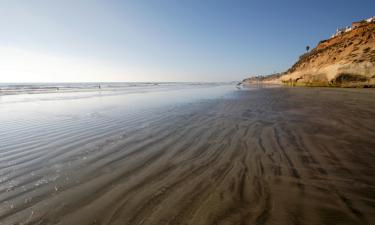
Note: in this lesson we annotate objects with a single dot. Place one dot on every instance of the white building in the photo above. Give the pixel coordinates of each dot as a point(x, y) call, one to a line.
point(369, 20)
point(340, 31)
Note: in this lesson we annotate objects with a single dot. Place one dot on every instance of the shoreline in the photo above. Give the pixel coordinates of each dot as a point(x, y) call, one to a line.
point(307, 85)
point(7, 89)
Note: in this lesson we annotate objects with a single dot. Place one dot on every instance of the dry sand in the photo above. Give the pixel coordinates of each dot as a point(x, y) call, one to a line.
point(277, 156)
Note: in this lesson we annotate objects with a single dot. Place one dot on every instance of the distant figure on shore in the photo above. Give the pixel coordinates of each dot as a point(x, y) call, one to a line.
point(99, 86)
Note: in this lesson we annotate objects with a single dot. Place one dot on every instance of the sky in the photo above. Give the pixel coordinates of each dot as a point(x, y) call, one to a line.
point(162, 40)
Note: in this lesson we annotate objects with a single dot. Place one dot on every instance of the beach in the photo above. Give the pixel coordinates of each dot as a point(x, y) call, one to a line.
point(210, 155)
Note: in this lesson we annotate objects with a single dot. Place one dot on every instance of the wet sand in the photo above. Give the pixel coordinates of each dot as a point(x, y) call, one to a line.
point(263, 156)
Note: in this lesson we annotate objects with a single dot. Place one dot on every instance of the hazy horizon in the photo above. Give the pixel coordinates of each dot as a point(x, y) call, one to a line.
point(161, 41)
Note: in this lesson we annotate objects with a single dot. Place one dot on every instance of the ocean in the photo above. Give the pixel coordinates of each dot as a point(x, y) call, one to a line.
point(35, 88)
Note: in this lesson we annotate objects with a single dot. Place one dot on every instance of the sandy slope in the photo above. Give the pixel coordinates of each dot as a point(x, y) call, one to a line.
point(265, 156)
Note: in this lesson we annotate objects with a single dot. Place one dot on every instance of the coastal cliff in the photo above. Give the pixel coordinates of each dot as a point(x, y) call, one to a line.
point(347, 59)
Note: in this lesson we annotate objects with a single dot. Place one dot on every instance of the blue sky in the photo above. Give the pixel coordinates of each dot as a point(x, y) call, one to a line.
point(162, 40)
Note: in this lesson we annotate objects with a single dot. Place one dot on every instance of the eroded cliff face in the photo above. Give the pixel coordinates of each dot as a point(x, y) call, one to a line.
point(345, 60)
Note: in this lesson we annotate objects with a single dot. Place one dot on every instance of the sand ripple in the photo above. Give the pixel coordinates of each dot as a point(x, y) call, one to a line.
point(266, 156)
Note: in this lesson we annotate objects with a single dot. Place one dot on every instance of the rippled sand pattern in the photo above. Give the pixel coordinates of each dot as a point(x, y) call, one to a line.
point(266, 156)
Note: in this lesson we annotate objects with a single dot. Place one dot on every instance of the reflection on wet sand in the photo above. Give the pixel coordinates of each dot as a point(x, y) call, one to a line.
point(263, 156)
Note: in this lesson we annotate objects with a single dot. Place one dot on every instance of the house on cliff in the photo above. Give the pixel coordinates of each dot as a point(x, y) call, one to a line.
point(355, 25)
point(360, 23)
